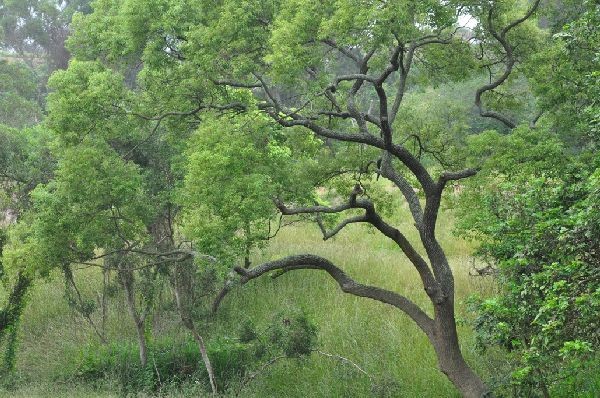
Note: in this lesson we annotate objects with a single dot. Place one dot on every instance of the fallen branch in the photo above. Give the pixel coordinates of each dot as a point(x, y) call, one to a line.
point(346, 361)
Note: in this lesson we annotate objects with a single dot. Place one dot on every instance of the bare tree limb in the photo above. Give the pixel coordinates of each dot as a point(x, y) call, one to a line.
point(509, 64)
point(455, 175)
point(346, 52)
point(535, 119)
point(524, 18)
point(352, 220)
point(70, 280)
point(388, 171)
point(346, 361)
point(236, 84)
point(347, 284)
point(431, 286)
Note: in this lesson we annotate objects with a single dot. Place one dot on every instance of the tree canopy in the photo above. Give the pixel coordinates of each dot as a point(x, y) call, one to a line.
point(180, 136)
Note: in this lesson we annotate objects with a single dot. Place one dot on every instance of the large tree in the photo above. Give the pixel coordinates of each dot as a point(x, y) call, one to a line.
point(339, 70)
point(342, 73)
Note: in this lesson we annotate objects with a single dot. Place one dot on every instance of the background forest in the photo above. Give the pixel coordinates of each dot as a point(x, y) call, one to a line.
point(268, 198)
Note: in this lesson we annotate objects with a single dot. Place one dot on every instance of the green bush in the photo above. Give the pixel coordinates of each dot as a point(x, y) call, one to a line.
point(170, 364)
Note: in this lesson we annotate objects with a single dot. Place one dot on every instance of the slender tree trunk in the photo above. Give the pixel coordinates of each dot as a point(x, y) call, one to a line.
point(10, 353)
point(187, 321)
point(451, 362)
point(103, 301)
point(205, 359)
point(78, 301)
point(139, 326)
point(142, 344)
point(127, 281)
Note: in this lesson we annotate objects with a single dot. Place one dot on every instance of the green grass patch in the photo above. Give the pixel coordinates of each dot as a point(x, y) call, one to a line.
point(379, 338)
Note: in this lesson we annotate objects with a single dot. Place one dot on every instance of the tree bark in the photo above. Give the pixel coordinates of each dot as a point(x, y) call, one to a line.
point(186, 319)
point(451, 362)
point(10, 314)
point(127, 281)
point(142, 343)
point(205, 359)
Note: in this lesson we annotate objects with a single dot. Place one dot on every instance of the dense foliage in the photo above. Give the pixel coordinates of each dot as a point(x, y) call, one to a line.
point(537, 219)
point(175, 139)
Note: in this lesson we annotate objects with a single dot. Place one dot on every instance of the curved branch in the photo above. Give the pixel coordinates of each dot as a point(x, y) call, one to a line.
point(404, 65)
point(431, 286)
point(524, 18)
point(509, 64)
point(355, 76)
point(159, 119)
point(347, 284)
point(346, 52)
point(388, 171)
point(290, 118)
point(455, 175)
point(351, 220)
point(236, 84)
point(287, 211)
point(535, 119)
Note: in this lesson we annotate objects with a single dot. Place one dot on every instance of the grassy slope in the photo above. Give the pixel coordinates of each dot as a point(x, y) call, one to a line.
point(379, 338)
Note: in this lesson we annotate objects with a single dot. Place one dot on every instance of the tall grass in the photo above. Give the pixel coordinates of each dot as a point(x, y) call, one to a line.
point(379, 338)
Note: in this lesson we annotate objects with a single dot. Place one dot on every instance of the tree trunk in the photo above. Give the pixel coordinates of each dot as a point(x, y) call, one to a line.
point(104, 299)
point(10, 314)
point(127, 280)
point(186, 319)
point(444, 339)
point(139, 326)
point(206, 360)
point(142, 343)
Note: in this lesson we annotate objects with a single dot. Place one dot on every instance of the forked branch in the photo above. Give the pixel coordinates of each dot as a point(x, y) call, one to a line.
point(431, 286)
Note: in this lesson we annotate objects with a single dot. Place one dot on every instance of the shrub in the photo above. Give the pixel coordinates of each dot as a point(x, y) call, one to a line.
point(170, 363)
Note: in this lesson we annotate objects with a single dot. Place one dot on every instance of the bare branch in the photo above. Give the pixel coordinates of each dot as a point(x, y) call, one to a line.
point(535, 119)
point(352, 220)
point(162, 116)
point(388, 171)
point(251, 376)
point(509, 64)
point(405, 63)
point(347, 284)
point(331, 43)
point(346, 361)
point(236, 84)
point(524, 18)
point(229, 284)
point(430, 285)
point(71, 281)
point(357, 190)
point(455, 175)
point(159, 119)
